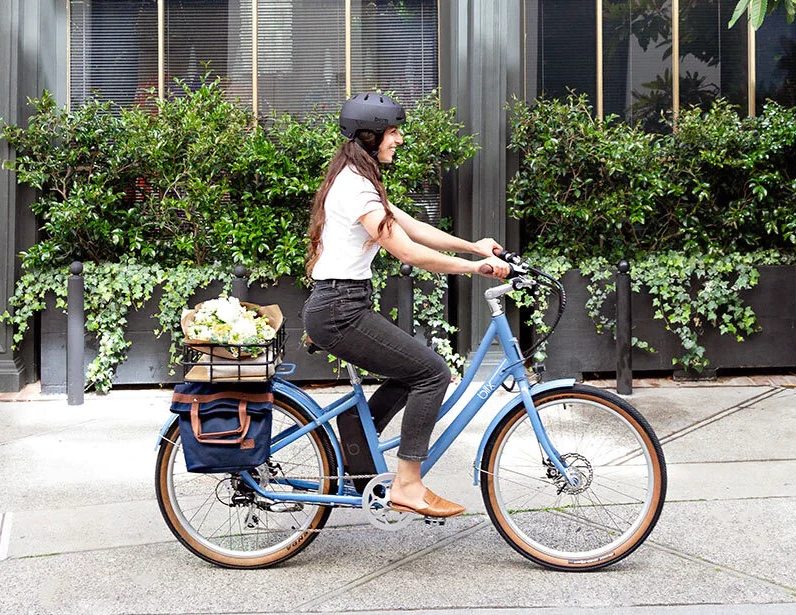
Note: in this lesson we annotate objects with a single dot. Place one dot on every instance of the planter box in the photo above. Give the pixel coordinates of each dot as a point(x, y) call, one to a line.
point(147, 357)
point(576, 349)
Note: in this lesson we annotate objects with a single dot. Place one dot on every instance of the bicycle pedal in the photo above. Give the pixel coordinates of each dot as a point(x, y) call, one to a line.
point(434, 520)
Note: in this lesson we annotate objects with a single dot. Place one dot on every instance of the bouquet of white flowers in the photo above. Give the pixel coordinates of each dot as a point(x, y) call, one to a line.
point(241, 329)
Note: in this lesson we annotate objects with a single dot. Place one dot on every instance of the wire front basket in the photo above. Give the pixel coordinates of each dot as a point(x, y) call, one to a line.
point(213, 362)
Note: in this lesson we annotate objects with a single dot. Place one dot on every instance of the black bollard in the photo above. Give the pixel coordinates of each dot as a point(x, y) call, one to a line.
point(75, 335)
point(624, 323)
point(406, 316)
point(240, 285)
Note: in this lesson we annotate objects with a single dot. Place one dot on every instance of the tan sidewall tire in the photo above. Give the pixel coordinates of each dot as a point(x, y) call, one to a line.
point(521, 545)
point(208, 554)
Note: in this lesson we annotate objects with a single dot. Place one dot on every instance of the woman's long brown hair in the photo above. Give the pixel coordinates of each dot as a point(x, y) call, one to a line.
point(351, 154)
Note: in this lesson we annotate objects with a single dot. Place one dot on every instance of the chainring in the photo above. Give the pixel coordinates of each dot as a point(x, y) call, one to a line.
point(375, 504)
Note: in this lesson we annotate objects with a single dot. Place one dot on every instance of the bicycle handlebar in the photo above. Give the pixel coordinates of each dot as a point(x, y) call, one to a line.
point(539, 278)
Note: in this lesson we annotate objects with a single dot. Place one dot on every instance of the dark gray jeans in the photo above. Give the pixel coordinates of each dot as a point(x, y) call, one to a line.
point(339, 317)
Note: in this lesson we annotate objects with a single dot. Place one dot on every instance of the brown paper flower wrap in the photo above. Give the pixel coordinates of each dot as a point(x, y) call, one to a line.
point(271, 312)
point(212, 360)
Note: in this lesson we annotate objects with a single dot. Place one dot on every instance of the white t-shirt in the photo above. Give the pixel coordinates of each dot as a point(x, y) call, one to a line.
point(344, 253)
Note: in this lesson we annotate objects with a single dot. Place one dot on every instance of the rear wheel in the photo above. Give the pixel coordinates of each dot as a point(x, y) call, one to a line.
point(222, 520)
point(621, 471)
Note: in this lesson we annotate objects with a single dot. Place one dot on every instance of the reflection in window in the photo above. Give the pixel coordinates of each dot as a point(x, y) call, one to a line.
point(776, 61)
point(712, 58)
point(637, 48)
point(560, 48)
point(209, 36)
point(113, 50)
point(394, 47)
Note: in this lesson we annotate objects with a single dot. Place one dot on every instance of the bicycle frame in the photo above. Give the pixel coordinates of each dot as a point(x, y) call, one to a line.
point(511, 365)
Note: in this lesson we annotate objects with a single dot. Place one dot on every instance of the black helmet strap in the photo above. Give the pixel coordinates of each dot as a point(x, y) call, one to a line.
point(373, 143)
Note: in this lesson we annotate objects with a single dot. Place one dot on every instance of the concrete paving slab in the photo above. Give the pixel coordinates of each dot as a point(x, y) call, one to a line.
point(765, 430)
point(481, 571)
point(70, 487)
point(165, 578)
point(706, 609)
point(105, 455)
point(730, 480)
point(86, 528)
point(702, 609)
point(753, 536)
point(670, 413)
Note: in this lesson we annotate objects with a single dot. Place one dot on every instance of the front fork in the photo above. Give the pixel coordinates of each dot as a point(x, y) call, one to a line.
point(553, 456)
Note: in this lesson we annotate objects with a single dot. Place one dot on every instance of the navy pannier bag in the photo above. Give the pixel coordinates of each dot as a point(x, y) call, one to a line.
point(224, 427)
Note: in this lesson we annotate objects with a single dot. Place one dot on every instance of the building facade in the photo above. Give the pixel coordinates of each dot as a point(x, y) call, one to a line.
point(635, 59)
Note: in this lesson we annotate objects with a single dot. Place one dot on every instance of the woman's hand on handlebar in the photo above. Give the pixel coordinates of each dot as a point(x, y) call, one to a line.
point(492, 267)
point(487, 247)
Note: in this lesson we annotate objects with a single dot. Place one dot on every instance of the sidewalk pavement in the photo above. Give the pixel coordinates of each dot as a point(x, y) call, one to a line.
point(80, 530)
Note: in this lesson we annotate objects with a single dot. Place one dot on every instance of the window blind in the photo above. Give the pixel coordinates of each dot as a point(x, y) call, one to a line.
point(113, 50)
point(212, 36)
point(301, 55)
point(395, 47)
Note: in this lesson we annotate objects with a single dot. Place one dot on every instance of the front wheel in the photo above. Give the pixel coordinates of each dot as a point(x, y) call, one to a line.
point(222, 520)
point(621, 487)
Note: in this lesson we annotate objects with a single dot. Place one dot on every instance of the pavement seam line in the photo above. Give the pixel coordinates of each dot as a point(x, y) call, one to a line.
point(5, 534)
point(310, 604)
point(710, 563)
point(742, 405)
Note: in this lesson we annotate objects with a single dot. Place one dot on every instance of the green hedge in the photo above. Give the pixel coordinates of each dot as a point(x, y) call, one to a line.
point(716, 183)
point(196, 179)
point(696, 211)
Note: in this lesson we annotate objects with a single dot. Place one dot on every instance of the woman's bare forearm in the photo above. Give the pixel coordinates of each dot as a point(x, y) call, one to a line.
point(432, 237)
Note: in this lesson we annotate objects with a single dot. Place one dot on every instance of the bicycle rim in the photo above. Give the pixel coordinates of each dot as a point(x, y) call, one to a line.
point(220, 519)
point(622, 477)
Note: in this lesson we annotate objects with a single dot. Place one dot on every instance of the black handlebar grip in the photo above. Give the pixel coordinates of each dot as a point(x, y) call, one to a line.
point(509, 257)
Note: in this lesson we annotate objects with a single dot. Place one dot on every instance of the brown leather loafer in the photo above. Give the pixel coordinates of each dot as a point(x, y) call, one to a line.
point(436, 507)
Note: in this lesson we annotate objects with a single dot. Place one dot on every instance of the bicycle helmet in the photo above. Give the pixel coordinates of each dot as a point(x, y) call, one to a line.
point(370, 111)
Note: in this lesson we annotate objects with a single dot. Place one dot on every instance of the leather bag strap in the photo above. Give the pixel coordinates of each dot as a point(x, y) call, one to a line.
point(186, 398)
point(214, 437)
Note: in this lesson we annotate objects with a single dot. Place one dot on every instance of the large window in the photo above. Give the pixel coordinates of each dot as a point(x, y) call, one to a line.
point(394, 47)
point(209, 36)
point(301, 55)
point(712, 57)
point(776, 61)
point(273, 55)
point(561, 48)
point(637, 39)
point(627, 66)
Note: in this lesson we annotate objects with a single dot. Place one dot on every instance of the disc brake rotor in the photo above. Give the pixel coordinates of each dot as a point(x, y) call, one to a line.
point(580, 467)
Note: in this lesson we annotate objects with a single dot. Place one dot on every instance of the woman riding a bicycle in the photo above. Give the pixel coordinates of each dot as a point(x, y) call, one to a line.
point(351, 218)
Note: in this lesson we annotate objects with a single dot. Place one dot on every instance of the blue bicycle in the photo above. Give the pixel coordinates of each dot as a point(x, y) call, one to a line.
point(572, 476)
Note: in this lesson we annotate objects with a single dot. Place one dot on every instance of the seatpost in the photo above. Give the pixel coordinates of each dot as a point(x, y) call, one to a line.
point(353, 374)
